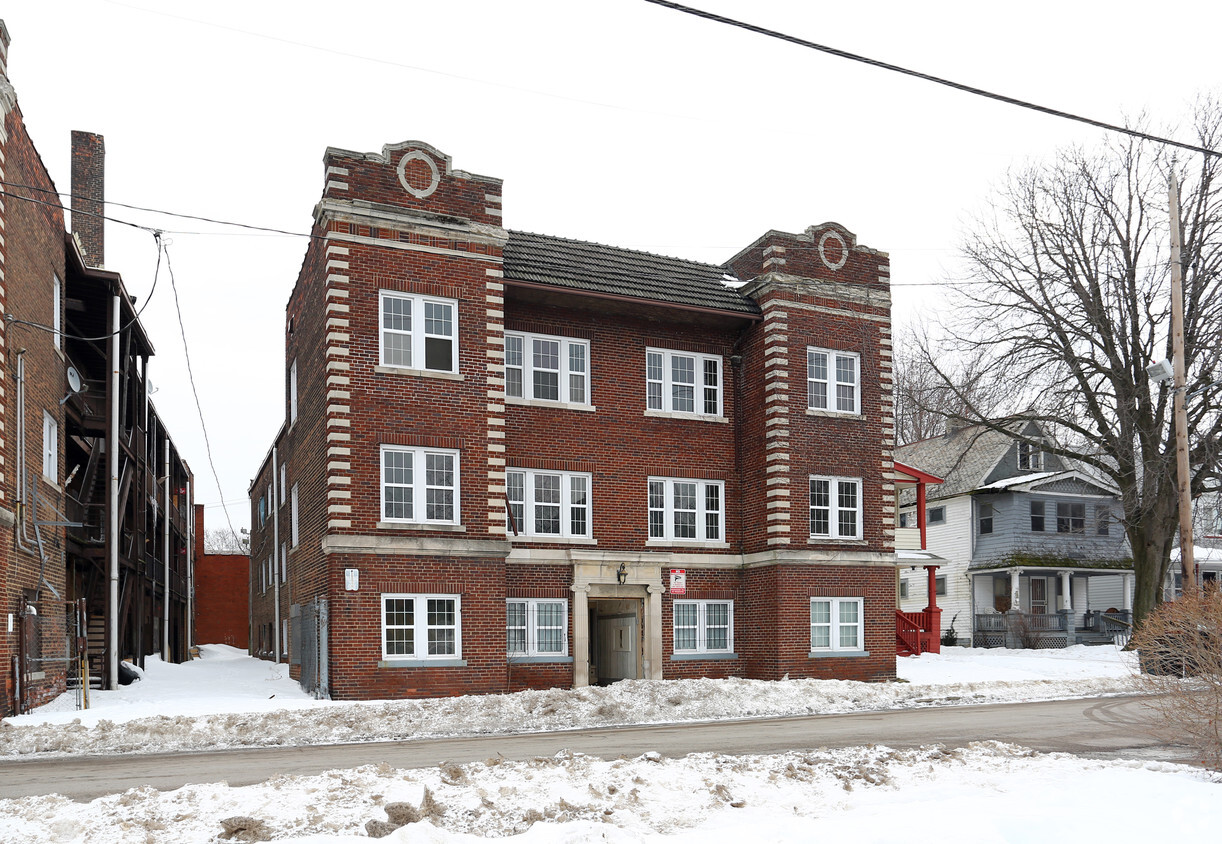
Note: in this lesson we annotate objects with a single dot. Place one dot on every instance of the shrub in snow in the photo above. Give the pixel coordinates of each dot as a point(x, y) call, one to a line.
point(1180, 644)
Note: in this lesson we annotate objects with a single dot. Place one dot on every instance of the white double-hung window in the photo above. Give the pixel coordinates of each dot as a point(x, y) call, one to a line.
point(548, 503)
point(418, 332)
point(683, 510)
point(682, 382)
point(545, 368)
point(836, 624)
point(421, 626)
point(833, 381)
point(419, 485)
point(536, 627)
point(704, 626)
point(835, 508)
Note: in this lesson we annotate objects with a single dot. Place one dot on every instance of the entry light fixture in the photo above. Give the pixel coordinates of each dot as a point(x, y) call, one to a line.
point(621, 574)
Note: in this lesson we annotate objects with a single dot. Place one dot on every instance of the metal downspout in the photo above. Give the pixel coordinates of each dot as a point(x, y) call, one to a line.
point(112, 632)
point(190, 572)
point(275, 506)
point(165, 624)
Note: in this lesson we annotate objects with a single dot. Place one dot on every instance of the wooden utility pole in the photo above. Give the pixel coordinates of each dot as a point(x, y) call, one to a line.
point(1180, 384)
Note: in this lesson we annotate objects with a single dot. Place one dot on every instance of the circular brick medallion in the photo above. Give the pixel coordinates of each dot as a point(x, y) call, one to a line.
point(828, 256)
point(434, 176)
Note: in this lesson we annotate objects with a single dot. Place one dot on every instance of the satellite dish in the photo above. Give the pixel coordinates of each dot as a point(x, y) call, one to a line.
point(74, 380)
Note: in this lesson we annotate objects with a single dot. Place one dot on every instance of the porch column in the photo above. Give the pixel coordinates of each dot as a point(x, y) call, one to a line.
point(652, 669)
point(1066, 610)
point(1127, 593)
point(581, 636)
point(1016, 607)
point(920, 512)
point(933, 634)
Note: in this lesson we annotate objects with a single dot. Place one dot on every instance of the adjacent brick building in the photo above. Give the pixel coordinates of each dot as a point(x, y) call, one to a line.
point(95, 559)
point(512, 460)
point(222, 593)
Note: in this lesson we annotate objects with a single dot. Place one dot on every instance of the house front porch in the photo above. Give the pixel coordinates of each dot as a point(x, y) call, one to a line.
point(1043, 607)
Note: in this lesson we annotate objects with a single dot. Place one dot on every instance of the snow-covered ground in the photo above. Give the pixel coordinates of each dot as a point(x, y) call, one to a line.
point(984, 793)
point(227, 699)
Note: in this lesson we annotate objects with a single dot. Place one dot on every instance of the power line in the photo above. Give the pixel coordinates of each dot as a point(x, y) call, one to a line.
point(191, 379)
point(958, 86)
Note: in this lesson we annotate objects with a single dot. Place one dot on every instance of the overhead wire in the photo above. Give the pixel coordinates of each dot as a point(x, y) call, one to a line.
point(195, 392)
point(928, 77)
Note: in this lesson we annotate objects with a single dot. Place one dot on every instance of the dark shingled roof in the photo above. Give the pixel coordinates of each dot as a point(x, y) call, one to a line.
point(594, 268)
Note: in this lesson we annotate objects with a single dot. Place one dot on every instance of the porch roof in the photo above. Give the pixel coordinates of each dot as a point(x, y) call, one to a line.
point(1084, 567)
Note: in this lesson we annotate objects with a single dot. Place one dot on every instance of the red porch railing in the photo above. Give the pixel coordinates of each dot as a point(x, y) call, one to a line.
point(918, 632)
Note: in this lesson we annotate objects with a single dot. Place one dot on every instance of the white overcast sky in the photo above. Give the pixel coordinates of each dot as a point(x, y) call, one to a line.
point(609, 120)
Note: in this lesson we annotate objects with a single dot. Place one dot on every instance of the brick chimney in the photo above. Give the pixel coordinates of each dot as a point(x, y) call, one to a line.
point(88, 192)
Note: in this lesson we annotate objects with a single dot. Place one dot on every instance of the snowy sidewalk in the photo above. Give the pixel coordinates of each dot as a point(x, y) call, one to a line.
point(227, 699)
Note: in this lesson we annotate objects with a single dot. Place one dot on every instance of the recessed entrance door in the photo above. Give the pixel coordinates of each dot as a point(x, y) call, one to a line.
point(615, 640)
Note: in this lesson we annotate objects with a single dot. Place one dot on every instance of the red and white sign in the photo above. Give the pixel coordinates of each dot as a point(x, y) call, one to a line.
point(678, 581)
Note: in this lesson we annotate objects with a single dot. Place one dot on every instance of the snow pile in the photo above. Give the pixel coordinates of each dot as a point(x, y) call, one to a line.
point(230, 700)
point(872, 794)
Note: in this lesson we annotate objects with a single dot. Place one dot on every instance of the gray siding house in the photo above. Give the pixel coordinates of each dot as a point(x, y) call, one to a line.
point(1035, 553)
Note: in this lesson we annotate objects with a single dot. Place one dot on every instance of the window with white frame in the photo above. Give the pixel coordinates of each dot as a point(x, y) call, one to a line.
point(536, 627)
point(904, 588)
point(704, 626)
point(50, 447)
point(421, 626)
point(293, 516)
point(684, 510)
point(539, 366)
point(57, 292)
point(682, 382)
point(284, 562)
point(419, 485)
point(293, 392)
point(832, 380)
point(548, 503)
point(1030, 457)
point(836, 624)
point(283, 480)
point(418, 332)
point(835, 508)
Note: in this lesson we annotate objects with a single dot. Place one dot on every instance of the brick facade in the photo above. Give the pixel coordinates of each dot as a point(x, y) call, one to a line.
point(222, 594)
point(55, 580)
point(404, 230)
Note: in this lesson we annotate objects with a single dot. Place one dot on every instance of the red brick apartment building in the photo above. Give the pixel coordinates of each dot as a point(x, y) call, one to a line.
point(95, 555)
point(513, 461)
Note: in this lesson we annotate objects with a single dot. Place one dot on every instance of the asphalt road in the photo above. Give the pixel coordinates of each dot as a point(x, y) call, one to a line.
point(1100, 727)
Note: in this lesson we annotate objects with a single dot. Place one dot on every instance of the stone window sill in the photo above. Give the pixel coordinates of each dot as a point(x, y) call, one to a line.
point(833, 414)
point(523, 538)
point(422, 663)
point(679, 543)
point(675, 414)
point(680, 657)
point(837, 654)
point(421, 526)
point(560, 405)
point(421, 373)
point(540, 660)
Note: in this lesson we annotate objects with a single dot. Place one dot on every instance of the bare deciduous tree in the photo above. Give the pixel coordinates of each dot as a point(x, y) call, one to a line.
point(1068, 303)
point(225, 541)
point(926, 397)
